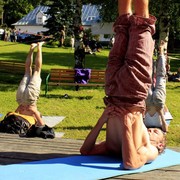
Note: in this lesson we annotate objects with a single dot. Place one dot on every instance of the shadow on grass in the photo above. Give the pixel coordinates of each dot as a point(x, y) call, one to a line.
point(173, 85)
point(81, 128)
point(62, 59)
point(66, 96)
point(12, 44)
point(100, 107)
point(8, 88)
point(174, 63)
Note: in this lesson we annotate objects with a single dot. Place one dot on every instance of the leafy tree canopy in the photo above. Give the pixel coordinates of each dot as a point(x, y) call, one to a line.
point(1, 7)
point(61, 13)
point(14, 10)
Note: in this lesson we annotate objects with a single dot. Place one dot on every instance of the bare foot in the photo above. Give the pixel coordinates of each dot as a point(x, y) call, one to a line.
point(33, 45)
point(161, 47)
point(40, 43)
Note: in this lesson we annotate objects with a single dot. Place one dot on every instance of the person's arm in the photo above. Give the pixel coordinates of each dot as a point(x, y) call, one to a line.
point(37, 116)
point(39, 119)
point(164, 124)
point(136, 149)
point(17, 110)
point(89, 146)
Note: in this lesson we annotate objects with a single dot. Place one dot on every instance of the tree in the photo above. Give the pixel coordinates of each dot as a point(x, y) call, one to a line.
point(79, 52)
point(39, 2)
point(60, 15)
point(107, 9)
point(167, 13)
point(168, 20)
point(14, 10)
point(1, 11)
point(67, 13)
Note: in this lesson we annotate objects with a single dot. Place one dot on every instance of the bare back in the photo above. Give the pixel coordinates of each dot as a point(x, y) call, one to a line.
point(128, 136)
point(30, 110)
point(116, 126)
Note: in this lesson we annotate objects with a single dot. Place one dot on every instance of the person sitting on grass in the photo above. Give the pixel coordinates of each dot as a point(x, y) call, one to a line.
point(128, 79)
point(175, 77)
point(155, 102)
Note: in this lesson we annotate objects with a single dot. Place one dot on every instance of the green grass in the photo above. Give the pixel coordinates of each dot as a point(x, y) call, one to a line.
point(82, 108)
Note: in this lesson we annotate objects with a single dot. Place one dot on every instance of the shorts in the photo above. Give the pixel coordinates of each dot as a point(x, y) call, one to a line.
point(28, 90)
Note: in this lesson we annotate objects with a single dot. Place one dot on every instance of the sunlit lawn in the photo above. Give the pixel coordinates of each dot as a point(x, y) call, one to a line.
point(82, 108)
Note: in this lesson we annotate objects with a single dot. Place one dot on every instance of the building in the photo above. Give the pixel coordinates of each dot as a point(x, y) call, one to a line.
point(35, 20)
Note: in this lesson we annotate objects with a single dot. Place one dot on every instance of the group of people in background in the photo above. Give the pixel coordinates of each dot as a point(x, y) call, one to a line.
point(10, 34)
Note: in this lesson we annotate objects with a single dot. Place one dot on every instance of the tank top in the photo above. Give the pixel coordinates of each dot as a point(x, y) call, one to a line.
point(152, 121)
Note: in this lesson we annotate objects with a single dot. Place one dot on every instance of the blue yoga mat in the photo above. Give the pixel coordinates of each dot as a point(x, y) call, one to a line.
point(81, 168)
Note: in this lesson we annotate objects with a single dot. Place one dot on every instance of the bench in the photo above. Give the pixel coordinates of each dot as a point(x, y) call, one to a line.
point(12, 67)
point(65, 77)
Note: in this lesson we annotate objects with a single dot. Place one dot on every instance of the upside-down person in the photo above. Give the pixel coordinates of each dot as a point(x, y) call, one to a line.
point(29, 90)
point(128, 78)
point(155, 102)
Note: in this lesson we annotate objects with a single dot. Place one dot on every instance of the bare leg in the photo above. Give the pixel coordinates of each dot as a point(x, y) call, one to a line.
point(141, 8)
point(159, 94)
point(124, 7)
point(29, 60)
point(38, 59)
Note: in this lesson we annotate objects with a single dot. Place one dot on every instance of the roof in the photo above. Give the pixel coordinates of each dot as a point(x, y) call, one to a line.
point(30, 19)
point(90, 15)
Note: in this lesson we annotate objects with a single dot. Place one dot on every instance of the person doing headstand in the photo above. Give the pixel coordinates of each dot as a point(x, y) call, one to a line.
point(29, 87)
point(155, 102)
point(128, 78)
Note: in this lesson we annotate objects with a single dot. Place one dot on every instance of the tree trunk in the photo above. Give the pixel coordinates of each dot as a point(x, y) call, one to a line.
point(164, 29)
point(164, 24)
point(79, 52)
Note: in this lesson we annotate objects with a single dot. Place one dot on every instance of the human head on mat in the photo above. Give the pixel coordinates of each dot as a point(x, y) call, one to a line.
point(127, 80)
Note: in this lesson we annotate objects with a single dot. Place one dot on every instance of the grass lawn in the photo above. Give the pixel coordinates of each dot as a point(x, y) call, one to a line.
point(82, 108)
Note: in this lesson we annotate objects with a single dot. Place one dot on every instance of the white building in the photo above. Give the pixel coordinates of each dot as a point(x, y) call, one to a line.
point(105, 30)
point(34, 21)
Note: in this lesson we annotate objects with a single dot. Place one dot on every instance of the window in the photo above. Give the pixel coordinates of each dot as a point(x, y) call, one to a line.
point(90, 18)
point(39, 20)
point(107, 36)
